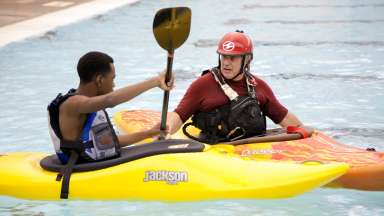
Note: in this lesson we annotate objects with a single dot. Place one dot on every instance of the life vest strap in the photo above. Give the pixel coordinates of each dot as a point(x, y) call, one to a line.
point(65, 174)
point(76, 145)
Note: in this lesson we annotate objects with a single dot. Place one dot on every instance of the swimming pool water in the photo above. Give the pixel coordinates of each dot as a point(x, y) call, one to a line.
point(323, 59)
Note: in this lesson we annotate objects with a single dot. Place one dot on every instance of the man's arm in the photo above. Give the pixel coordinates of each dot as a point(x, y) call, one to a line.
point(174, 122)
point(290, 119)
point(84, 104)
point(189, 104)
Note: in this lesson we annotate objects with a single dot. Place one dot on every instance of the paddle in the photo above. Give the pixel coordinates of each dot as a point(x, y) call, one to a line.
point(275, 136)
point(171, 29)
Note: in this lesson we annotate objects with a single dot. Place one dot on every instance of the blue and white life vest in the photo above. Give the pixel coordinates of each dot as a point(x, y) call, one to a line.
point(98, 140)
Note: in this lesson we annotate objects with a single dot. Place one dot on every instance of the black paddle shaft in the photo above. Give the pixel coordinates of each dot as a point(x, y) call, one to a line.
point(168, 77)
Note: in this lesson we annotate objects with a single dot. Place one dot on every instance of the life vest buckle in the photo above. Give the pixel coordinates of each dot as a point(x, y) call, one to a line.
point(234, 133)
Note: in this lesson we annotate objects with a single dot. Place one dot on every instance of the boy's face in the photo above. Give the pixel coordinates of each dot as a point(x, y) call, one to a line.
point(107, 81)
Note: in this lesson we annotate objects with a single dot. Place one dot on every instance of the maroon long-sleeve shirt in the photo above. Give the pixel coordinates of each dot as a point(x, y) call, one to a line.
point(205, 94)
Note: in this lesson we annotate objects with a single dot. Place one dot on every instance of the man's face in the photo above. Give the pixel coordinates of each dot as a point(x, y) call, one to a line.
point(107, 81)
point(230, 66)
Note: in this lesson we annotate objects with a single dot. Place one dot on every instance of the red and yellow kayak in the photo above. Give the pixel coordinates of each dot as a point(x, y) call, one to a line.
point(366, 167)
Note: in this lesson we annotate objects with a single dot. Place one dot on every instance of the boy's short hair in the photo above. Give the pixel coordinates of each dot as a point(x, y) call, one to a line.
point(92, 64)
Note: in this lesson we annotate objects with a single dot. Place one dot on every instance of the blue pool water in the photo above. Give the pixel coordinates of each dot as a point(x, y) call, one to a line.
point(323, 59)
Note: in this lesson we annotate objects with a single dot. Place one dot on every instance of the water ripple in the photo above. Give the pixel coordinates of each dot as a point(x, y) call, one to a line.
point(205, 43)
point(306, 22)
point(182, 74)
point(100, 18)
point(318, 43)
point(354, 131)
point(238, 21)
point(50, 35)
point(190, 74)
point(241, 21)
point(213, 42)
point(255, 6)
point(289, 76)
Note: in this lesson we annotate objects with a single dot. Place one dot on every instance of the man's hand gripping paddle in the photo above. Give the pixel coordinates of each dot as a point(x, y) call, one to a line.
point(171, 28)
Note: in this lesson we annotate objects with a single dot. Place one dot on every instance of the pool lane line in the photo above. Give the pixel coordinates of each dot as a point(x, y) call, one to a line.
point(44, 23)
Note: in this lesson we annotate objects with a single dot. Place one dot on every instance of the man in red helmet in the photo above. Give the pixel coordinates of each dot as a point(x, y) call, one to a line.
point(227, 102)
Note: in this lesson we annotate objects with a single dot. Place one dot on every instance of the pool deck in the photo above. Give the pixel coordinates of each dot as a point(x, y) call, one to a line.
point(13, 11)
point(20, 19)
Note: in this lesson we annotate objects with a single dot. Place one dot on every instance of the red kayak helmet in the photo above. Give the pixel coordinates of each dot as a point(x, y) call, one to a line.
point(235, 43)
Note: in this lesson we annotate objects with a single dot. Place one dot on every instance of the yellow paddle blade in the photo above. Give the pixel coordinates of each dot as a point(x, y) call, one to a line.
point(171, 27)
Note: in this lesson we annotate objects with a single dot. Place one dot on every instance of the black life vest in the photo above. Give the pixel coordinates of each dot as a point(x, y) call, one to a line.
point(98, 140)
point(240, 118)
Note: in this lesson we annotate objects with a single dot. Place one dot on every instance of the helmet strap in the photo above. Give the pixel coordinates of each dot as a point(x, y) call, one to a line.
point(241, 68)
point(247, 66)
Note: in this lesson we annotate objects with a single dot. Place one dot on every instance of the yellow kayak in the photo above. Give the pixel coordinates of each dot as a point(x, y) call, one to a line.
point(167, 170)
point(366, 165)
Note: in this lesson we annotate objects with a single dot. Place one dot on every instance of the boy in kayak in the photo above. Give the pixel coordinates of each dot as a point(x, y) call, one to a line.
point(78, 120)
point(228, 102)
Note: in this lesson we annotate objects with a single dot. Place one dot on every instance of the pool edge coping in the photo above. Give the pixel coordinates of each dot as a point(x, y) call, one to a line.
point(44, 23)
